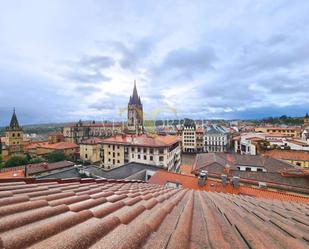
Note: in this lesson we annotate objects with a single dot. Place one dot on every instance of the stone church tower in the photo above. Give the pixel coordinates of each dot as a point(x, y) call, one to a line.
point(135, 113)
point(14, 137)
point(306, 120)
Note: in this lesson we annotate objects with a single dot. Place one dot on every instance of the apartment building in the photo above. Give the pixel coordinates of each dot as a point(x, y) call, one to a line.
point(188, 134)
point(216, 139)
point(160, 151)
point(291, 131)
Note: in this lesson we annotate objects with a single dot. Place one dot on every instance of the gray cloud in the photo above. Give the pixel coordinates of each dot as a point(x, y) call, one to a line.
point(134, 53)
point(253, 57)
point(188, 61)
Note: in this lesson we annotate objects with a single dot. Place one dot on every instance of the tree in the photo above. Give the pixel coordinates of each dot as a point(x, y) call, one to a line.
point(16, 161)
point(56, 156)
point(37, 160)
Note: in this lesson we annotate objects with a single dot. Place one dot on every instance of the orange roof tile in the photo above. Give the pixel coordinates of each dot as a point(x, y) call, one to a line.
point(59, 146)
point(143, 140)
point(12, 174)
point(186, 169)
point(89, 213)
point(162, 177)
point(288, 154)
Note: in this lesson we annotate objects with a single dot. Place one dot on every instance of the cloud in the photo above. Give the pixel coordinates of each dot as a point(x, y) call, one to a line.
point(188, 61)
point(62, 62)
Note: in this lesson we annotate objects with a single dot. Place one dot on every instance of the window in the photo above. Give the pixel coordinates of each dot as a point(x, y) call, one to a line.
point(248, 169)
point(259, 170)
point(109, 146)
point(151, 151)
point(118, 161)
point(145, 157)
point(109, 153)
point(139, 149)
point(18, 134)
point(151, 158)
point(113, 161)
point(13, 134)
point(113, 154)
point(145, 150)
point(161, 151)
point(118, 154)
point(132, 155)
point(161, 158)
point(139, 156)
point(86, 156)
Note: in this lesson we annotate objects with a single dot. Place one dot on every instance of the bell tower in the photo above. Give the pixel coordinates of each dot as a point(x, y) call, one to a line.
point(14, 137)
point(135, 113)
point(306, 120)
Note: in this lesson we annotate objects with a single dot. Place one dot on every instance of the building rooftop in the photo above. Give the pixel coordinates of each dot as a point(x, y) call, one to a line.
point(189, 181)
point(120, 214)
point(12, 174)
point(125, 171)
point(142, 140)
point(59, 146)
point(215, 163)
point(288, 154)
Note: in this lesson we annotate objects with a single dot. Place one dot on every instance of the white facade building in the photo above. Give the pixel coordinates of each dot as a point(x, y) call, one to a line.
point(216, 139)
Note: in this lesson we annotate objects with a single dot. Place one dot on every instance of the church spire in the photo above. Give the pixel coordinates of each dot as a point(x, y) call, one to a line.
point(14, 122)
point(135, 99)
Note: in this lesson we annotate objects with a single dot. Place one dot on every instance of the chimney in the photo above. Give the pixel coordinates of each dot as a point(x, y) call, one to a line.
point(224, 179)
point(202, 178)
point(235, 181)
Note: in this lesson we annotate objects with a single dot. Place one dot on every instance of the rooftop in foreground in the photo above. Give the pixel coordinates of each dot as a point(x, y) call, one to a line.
point(90, 213)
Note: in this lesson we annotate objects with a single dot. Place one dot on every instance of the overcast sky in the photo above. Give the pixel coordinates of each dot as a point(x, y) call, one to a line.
point(69, 60)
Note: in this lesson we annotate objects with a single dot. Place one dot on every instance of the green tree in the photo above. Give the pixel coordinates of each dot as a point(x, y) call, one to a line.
point(37, 160)
point(56, 156)
point(16, 161)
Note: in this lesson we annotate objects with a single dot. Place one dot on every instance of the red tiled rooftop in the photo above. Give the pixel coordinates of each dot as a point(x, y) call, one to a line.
point(120, 214)
point(186, 169)
point(59, 146)
point(12, 173)
point(288, 154)
point(187, 181)
point(143, 140)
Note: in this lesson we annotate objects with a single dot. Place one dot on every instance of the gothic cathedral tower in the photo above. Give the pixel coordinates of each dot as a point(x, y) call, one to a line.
point(135, 113)
point(14, 137)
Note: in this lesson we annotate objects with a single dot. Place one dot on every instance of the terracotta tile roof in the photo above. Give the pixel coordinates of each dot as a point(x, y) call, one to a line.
point(36, 168)
point(109, 214)
point(186, 169)
point(34, 145)
point(42, 167)
point(288, 154)
point(215, 164)
point(12, 174)
point(143, 140)
point(59, 146)
point(162, 177)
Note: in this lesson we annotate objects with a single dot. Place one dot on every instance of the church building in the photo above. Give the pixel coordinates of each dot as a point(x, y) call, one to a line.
point(13, 144)
point(135, 113)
